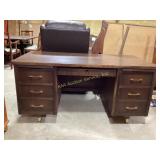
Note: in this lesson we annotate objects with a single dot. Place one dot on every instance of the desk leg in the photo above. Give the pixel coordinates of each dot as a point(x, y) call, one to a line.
point(107, 95)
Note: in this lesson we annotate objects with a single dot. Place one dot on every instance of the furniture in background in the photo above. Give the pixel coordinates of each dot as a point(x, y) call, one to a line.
point(139, 43)
point(65, 36)
point(10, 48)
point(124, 83)
point(34, 47)
point(5, 118)
point(97, 47)
point(21, 40)
point(27, 33)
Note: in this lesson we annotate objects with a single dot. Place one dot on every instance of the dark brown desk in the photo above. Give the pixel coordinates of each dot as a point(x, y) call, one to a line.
point(125, 83)
point(21, 39)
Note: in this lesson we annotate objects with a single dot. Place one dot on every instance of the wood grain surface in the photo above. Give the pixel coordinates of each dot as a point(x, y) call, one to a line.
point(81, 60)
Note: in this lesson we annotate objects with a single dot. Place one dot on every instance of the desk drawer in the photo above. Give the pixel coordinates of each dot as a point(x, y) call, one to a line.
point(136, 78)
point(35, 106)
point(34, 75)
point(36, 91)
point(134, 93)
point(131, 108)
point(87, 72)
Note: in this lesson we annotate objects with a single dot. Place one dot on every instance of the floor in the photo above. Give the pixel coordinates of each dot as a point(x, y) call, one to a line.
point(79, 117)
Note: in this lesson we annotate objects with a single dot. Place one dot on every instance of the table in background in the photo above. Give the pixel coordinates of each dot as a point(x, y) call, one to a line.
point(21, 39)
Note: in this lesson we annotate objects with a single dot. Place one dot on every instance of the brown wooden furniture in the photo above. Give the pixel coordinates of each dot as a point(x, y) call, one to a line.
point(5, 118)
point(124, 83)
point(34, 47)
point(27, 33)
point(10, 49)
point(124, 41)
point(21, 39)
point(98, 44)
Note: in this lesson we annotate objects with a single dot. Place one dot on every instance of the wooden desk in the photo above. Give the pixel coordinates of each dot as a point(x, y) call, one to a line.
point(125, 83)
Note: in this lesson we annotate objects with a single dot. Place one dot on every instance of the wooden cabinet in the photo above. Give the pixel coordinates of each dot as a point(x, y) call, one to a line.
point(36, 90)
point(134, 92)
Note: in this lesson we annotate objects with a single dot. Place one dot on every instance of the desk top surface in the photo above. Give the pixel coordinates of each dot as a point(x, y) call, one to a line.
point(42, 58)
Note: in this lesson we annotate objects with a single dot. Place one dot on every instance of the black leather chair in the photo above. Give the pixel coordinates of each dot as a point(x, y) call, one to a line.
point(65, 36)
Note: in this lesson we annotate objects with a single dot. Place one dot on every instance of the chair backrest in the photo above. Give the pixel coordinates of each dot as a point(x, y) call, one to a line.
point(65, 36)
point(66, 25)
point(124, 38)
point(99, 42)
point(27, 33)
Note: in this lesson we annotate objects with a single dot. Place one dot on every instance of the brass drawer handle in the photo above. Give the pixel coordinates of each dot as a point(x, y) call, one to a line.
point(35, 77)
point(134, 94)
point(36, 92)
point(131, 108)
point(37, 106)
point(136, 80)
point(105, 74)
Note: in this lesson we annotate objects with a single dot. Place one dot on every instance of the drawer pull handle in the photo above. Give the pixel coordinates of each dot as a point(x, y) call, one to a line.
point(37, 106)
point(134, 94)
point(105, 74)
point(36, 92)
point(132, 108)
point(35, 77)
point(139, 80)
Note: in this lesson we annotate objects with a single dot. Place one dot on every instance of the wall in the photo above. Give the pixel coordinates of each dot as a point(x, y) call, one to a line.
point(13, 27)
